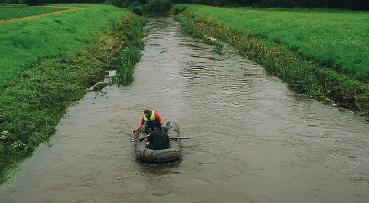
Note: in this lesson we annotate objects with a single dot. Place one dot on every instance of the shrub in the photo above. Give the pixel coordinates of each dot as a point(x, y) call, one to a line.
point(138, 10)
point(133, 4)
point(120, 3)
point(178, 9)
point(157, 6)
point(35, 2)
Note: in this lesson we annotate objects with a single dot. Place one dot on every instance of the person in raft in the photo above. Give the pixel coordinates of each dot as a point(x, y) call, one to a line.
point(151, 123)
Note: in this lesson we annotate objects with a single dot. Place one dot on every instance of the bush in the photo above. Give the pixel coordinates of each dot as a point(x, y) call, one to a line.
point(35, 2)
point(178, 9)
point(120, 3)
point(133, 4)
point(156, 6)
point(138, 10)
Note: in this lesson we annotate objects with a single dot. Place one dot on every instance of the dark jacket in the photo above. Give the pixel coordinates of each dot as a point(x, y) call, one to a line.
point(158, 140)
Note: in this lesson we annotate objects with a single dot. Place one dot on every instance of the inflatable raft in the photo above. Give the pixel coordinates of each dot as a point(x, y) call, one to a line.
point(159, 156)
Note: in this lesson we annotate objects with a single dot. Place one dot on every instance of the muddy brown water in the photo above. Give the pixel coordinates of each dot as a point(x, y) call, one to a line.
point(252, 139)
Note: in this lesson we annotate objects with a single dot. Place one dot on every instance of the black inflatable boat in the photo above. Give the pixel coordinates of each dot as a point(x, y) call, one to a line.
point(143, 153)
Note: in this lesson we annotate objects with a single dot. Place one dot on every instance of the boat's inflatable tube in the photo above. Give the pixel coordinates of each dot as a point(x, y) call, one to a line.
point(159, 156)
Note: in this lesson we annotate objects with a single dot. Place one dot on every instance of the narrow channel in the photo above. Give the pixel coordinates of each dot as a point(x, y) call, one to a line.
point(252, 139)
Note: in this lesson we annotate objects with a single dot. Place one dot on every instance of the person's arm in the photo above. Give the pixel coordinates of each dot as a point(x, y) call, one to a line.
point(139, 125)
point(159, 118)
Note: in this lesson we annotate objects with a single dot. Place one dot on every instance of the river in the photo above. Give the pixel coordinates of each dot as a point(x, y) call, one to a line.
point(252, 139)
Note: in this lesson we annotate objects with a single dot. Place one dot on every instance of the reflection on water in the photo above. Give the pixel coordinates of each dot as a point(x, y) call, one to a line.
point(252, 139)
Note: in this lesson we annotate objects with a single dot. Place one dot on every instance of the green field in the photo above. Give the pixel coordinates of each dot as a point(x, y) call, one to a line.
point(333, 38)
point(11, 12)
point(25, 43)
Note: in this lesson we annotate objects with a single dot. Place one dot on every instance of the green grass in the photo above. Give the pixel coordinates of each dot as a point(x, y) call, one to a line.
point(336, 39)
point(10, 12)
point(304, 76)
point(35, 97)
point(32, 105)
point(23, 44)
point(132, 54)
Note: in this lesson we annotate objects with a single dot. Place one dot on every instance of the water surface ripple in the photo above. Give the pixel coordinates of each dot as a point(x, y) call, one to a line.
point(252, 139)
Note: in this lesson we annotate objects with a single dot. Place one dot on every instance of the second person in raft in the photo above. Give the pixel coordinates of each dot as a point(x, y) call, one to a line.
point(151, 123)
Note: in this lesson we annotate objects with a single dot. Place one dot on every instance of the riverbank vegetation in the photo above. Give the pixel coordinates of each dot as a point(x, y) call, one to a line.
point(35, 95)
point(328, 59)
point(142, 7)
point(132, 53)
point(343, 4)
point(190, 28)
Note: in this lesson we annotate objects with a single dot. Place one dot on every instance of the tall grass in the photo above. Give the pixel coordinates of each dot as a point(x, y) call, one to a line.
point(335, 39)
point(132, 54)
point(23, 44)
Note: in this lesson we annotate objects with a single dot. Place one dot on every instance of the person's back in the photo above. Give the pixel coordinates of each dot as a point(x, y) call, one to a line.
point(158, 140)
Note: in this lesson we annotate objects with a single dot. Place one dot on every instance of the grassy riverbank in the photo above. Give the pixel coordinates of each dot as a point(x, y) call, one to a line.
point(33, 102)
point(296, 53)
point(336, 39)
point(131, 54)
point(24, 43)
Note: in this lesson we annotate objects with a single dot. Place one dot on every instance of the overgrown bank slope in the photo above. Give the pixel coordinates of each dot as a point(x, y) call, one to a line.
point(33, 102)
point(328, 58)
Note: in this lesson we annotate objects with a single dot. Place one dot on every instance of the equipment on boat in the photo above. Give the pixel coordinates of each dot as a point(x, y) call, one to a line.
point(143, 153)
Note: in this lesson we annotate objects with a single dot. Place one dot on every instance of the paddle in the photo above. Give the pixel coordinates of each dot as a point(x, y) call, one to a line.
point(179, 138)
point(141, 138)
point(173, 138)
